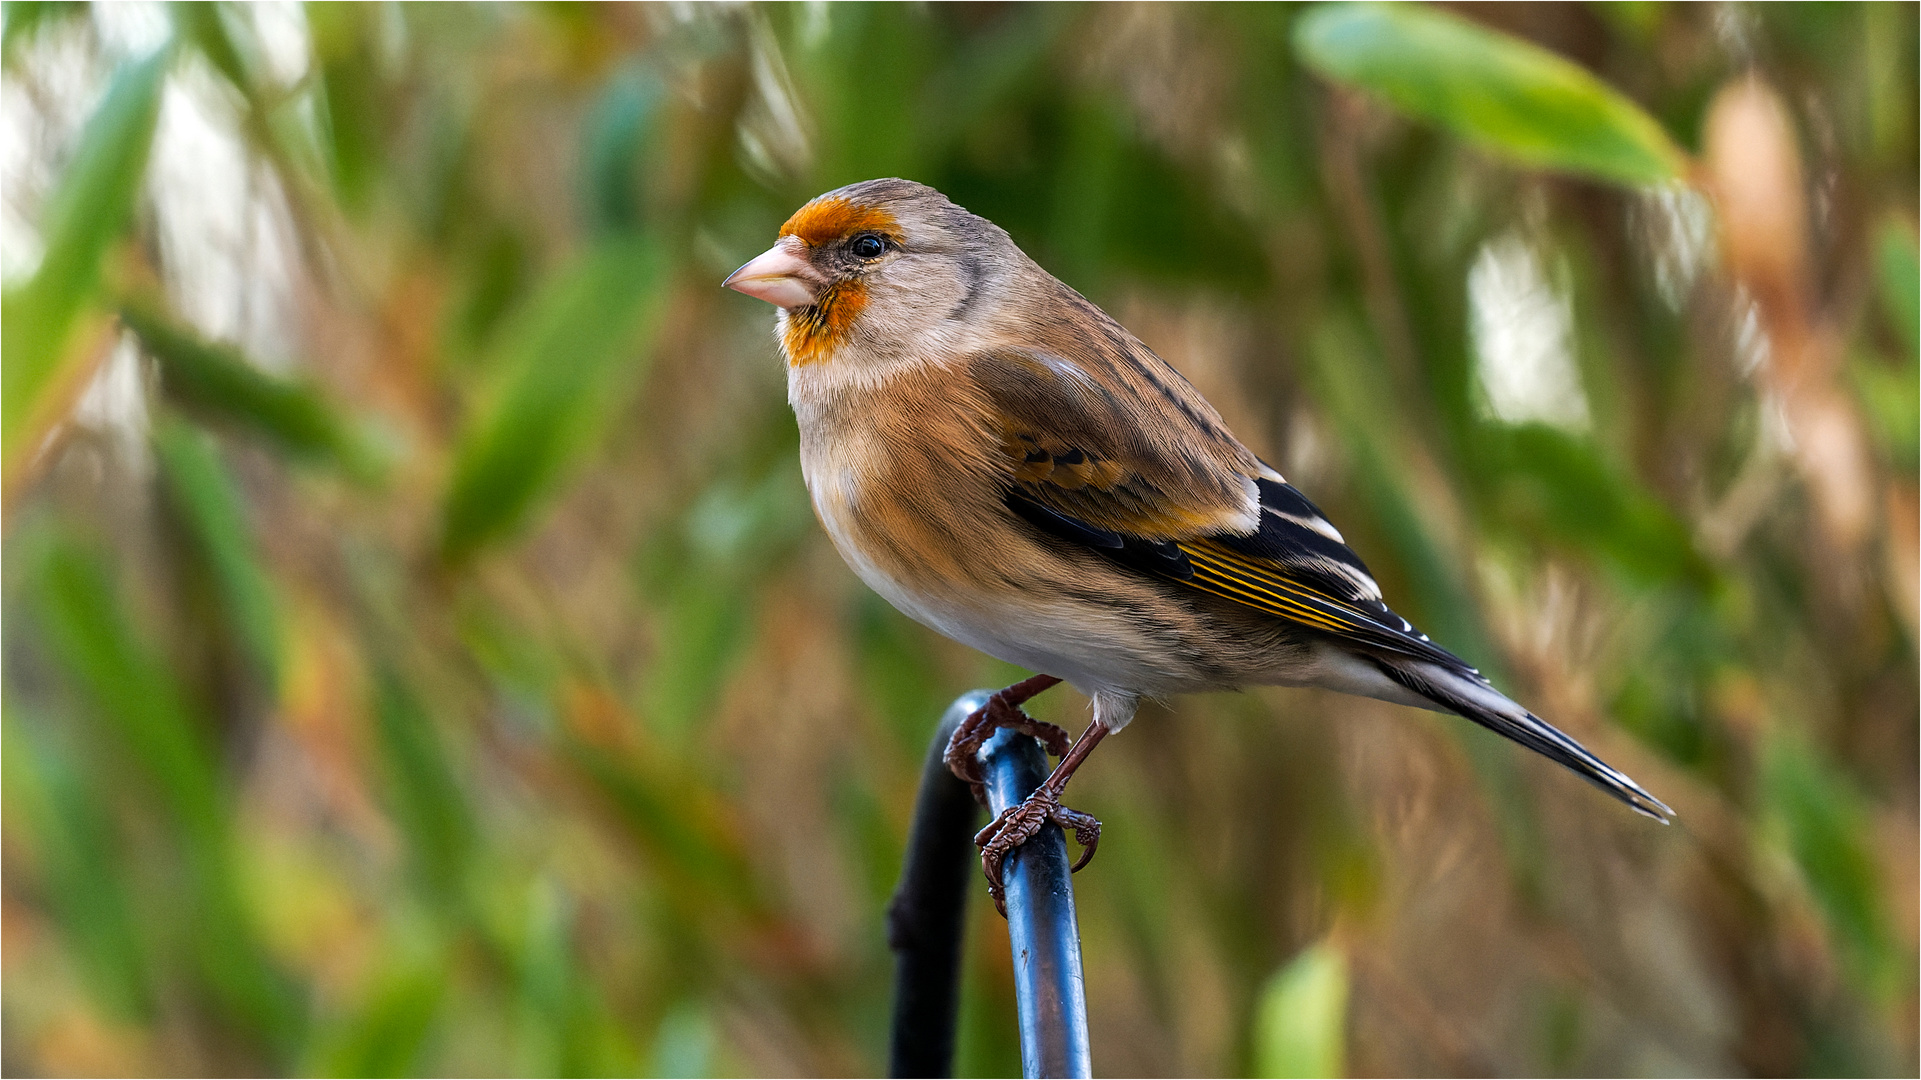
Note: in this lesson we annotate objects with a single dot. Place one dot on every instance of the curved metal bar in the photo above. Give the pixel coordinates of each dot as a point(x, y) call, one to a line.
point(927, 917)
point(1041, 927)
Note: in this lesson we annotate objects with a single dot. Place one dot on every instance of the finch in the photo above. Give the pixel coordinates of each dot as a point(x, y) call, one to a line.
point(1008, 465)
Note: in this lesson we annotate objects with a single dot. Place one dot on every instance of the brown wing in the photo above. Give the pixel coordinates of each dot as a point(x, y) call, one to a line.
point(1151, 478)
point(1173, 502)
point(1140, 459)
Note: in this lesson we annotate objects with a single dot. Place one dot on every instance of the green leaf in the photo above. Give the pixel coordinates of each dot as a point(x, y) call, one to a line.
point(672, 815)
point(1898, 272)
point(353, 119)
point(87, 212)
point(207, 504)
point(57, 801)
point(612, 139)
point(386, 1037)
point(135, 696)
point(1826, 827)
point(204, 24)
point(24, 17)
point(218, 382)
point(565, 1027)
point(1300, 1028)
point(704, 577)
point(1547, 483)
point(137, 700)
point(1506, 94)
point(423, 789)
point(566, 361)
point(1890, 396)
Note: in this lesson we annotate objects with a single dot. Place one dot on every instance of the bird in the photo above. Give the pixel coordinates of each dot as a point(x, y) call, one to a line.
point(1005, 463)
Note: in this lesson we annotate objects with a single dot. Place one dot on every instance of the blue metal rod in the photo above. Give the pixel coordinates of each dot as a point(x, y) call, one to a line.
point(1041, 927)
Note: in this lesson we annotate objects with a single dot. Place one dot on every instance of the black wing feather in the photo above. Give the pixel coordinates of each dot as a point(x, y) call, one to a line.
point(1265, 571)
point(1289, 568)
point(1295, 534)
point(1162, 557)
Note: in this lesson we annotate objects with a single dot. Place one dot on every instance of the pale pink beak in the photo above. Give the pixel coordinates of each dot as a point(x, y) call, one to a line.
point(779, 276)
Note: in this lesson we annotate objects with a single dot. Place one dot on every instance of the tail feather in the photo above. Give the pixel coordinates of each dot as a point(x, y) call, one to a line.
point(1466, 693)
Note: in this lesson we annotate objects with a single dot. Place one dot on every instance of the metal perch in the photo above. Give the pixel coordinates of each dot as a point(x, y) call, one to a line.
point(927, 916)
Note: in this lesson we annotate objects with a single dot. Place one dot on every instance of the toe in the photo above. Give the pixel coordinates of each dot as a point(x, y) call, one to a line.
point(1087, 832)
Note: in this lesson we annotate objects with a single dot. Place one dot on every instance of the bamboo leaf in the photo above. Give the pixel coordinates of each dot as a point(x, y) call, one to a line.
point(1301, 1028)
point(134, 694)
point(673, 818)
point(612, 140)
point(1550, 484)
point(208, 506)
point(24, 17)
point(424, 792)
point(567, 361)
point(137, 699)
point(87, 213)
point(53, 798)
point(1825, 828)
point(1504, 93)
point(218, 382)
point(386, 1037)
point(1898, 273)
point(204, 23)
point(347, 39)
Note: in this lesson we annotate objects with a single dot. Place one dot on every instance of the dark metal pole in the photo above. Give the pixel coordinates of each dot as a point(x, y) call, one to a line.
point(926, 920)
point(1041, 926)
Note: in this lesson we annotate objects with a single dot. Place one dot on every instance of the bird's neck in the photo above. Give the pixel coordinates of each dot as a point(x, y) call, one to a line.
point(811, 335)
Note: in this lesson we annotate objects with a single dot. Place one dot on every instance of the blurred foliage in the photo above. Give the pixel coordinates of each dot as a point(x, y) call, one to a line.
point(1300, 1029)
point(217, 383)
point(422, 657)
point(1524, 100)
point(565, 359)
point(84, 216)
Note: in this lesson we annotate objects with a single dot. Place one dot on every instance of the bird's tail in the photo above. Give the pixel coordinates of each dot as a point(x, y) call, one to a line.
point(1465, 692)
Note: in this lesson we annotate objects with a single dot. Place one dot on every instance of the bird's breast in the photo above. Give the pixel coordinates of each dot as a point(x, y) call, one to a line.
point(907, 479)
point(909, 501)
point(911, 492)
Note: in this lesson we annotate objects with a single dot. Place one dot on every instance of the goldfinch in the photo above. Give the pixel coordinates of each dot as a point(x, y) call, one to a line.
point(1008, 465)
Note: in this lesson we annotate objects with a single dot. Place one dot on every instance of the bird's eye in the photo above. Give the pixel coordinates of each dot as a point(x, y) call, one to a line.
point(869, 246)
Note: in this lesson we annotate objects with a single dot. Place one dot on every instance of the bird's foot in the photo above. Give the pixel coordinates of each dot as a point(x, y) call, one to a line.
point(1018, 823)
point(1001, 711)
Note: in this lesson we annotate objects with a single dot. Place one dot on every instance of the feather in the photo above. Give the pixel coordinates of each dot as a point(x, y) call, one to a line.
point(1151, 463)
point(1481, 703)
point(1077, 468)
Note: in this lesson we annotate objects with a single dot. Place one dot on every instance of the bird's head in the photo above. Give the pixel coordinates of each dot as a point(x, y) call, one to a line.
point(875, 265)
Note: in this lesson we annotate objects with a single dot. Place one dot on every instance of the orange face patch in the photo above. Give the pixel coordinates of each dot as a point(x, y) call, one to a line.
point(812, 332)
point(824, 221)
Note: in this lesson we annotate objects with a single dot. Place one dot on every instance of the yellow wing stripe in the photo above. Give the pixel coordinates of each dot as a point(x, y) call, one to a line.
point(1290, 612)
point(1266, 599)
point(1211, 579)
point(1231, 576)
point(1214, 552)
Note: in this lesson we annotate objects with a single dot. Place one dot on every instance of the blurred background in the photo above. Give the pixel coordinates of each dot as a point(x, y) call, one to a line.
point(420, 656)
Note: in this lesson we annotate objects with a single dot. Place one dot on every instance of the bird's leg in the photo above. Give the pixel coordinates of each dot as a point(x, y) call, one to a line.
point(1018, 823)
point(1003, 710)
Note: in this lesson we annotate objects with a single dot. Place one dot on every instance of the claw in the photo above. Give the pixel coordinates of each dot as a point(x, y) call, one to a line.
point(1001, 711)
point(1087, 833)
point(1017, 825)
